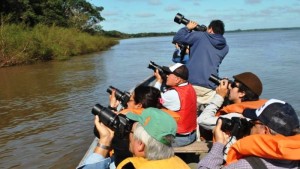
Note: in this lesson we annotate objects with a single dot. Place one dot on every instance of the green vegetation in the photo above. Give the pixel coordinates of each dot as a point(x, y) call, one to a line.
point(20, 44)
point(32, 31)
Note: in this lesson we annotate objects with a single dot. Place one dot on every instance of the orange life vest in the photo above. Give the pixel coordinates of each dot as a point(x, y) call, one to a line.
point(240, 107)
point(265, 146)
point(175, 115)
point(142, 163)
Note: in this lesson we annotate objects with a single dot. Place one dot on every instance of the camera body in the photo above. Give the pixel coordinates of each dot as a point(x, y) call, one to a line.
point(236, 126)
point(179, 18)
point(161, 72)
point(123, 97)
point(116, 122)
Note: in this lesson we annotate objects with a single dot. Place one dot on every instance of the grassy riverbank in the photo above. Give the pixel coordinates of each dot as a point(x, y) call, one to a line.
point(23, 45)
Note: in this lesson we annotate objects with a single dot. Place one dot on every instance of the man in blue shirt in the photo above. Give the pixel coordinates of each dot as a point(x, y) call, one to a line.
point(207, 50)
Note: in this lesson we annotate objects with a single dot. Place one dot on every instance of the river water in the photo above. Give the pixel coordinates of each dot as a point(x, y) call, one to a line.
point(45, 108)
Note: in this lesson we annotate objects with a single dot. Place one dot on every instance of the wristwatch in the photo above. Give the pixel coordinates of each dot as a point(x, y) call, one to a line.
point(103, 146)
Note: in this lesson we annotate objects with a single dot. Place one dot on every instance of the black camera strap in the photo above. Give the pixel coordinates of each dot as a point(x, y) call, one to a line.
point(256, 162)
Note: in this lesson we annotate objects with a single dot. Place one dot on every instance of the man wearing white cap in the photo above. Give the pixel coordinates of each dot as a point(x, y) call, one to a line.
point(180, 97)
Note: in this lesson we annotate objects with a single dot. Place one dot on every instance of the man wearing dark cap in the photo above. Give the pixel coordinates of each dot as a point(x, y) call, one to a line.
point(243, 93)
point(273, 142)
point(180, 97)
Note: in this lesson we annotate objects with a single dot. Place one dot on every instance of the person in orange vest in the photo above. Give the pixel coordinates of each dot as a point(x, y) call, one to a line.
point(272, 143)
point(180, 97)
point(242, 93)
point(150, 138)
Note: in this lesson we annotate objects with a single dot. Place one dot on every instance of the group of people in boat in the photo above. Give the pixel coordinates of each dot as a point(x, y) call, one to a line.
point(166, 118)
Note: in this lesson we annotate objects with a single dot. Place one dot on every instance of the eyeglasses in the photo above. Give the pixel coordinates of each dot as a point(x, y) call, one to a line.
point(233, 85)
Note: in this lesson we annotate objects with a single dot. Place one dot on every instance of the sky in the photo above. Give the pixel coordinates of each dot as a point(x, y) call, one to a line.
point(141, 16)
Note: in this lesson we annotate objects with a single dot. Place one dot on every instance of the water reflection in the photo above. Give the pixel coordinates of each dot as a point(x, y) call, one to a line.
point(43, 107)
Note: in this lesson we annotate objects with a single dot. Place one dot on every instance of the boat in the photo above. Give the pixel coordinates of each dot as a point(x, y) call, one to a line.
point(197, 148)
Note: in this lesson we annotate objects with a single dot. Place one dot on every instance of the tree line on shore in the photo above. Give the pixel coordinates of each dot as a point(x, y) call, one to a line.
point(33, 31)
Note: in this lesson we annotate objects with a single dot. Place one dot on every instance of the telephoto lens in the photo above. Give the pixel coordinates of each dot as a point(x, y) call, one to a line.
point(123, 97)
point(116, 122)
point(215, 79)
point(106, 116)
point(179, 18)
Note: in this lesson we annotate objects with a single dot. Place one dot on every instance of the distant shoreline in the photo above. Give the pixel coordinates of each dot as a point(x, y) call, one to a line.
point(263, 29)
point(155, 34)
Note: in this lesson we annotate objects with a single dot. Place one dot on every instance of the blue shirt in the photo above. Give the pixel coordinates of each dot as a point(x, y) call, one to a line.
point(206, 54)
point(96, 161)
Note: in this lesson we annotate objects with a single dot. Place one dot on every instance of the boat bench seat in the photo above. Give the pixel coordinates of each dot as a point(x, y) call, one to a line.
point(196, 147)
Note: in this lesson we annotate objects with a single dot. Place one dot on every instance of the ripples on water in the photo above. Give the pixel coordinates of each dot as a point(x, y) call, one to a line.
point(45, 108)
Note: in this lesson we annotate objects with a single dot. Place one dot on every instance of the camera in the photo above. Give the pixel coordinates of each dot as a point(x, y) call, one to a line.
point(161, 72)
point(123, 97)
point(236, 126)
point(216, 80)
point(116, 122)
point(179, 18)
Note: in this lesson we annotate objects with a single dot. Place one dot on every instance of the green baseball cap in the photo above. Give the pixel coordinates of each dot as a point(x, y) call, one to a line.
point(156, 122)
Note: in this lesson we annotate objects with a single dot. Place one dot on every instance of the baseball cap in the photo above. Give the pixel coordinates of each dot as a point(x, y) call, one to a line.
point(177, 69)
point(251, 81)
point(157, 123)
point(277, 115)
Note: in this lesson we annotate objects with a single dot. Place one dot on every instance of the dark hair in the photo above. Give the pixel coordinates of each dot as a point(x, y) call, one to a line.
point(217, 26)
point(249, 94)
point(148, 96)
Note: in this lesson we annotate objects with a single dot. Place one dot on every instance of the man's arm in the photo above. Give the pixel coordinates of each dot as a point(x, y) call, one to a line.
point(186, 35)
point(96, 161)
point(171, 100)
point(214, 159)
point(207, 118)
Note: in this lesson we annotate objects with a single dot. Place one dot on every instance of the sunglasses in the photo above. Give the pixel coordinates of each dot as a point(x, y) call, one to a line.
point(233, 85)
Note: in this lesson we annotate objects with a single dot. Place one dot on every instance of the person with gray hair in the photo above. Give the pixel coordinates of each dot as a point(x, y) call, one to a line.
point(150, 141)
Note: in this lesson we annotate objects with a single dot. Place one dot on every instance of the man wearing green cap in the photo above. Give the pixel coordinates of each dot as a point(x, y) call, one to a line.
point(150, 142)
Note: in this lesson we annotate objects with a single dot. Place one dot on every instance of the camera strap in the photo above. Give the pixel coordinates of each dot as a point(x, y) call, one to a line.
point(255, 162)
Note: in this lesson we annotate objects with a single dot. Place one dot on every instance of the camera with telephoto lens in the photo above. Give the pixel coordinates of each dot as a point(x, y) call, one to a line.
point(116, 122)
point(179, 18)
point(216, 80)
point(123, 97)
point(236, 126)
point(161, 72)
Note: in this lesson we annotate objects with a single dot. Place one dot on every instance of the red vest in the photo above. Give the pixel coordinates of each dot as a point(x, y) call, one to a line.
point(188, 109)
